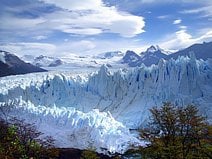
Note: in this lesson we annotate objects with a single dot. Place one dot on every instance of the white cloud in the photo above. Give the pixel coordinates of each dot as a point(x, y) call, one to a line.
point(76, 4)
point(81, 47)
point(87, 17)
point(82, 31)
point(91, 17)
point(177, 21)
point(202, 11)
point(40, 37)
point(182, 39)
point(12, 22)
point(23, 48)
point(163, 16)
point(174, 1)
point(183, 27)
point(76, 47)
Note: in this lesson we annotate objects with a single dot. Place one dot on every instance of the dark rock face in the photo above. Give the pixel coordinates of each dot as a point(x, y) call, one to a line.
point(5, 70)
point(56, 63)
point(201, 51)
point(132, 59)
point(153, 55)
point(12, 65)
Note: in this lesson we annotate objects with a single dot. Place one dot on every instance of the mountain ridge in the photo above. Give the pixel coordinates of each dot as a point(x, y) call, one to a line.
point(117, 59)
point(13, 65)
point(153, 54)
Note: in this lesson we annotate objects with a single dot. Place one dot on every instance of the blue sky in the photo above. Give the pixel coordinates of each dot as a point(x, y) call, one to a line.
point(63, 27)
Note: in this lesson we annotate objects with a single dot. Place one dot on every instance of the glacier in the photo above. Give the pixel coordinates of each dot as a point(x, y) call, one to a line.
point(98, 109)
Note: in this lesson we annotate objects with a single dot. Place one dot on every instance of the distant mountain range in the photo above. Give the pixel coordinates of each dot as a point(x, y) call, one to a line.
point(201, 51)
point(151, 56)
point(12, 65)
point(73, 61)
point(154, 53)
point(42, 61)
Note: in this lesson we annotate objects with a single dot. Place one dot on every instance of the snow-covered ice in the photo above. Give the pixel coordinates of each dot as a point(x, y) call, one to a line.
point(75, 108)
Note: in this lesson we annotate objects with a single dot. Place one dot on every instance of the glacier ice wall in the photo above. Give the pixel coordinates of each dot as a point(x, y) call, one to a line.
point(75, 129)
point(126, 94)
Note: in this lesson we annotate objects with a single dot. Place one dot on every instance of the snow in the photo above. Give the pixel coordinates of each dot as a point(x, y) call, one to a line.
point(28, 58)
point(77, 62)
point(127, 94)
point(2, 56)
point(42, 61)
point(73, 62)
point(153, 49)
point(109, 55)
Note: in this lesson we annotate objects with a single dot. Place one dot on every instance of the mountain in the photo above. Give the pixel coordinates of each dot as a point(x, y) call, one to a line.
point(55, 63)
point(109, 55)
point(43, 61)
point(201, 51)
point(76, 62)
point(47, 61)
point(5, 70)
point(153, 55)
point(97, 110)
point(12, 65)
point(131, 59)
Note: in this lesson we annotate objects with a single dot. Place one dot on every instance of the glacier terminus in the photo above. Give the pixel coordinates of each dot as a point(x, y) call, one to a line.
point(97, 110)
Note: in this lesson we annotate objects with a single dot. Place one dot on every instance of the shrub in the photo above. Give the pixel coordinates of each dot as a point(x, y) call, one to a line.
point(21, 140)
point(177, 133)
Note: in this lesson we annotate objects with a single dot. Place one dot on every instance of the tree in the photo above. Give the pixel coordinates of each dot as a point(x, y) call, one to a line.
point(177, 133)
point(21, 140)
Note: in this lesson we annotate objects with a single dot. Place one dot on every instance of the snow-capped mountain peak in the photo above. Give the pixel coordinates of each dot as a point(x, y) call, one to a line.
point(42, 61)
point(10, 64)
point(153, 48)
point(131, 55)
point(151, 56)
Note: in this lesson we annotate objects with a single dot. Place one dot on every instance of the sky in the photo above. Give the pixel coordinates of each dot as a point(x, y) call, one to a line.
point(86, 27)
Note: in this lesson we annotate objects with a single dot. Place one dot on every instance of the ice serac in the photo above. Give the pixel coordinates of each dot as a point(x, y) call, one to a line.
point(126, 94)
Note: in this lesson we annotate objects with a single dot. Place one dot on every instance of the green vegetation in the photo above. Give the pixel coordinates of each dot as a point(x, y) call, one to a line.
point(177, 133)
point(19, 140)
point(89, 154)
